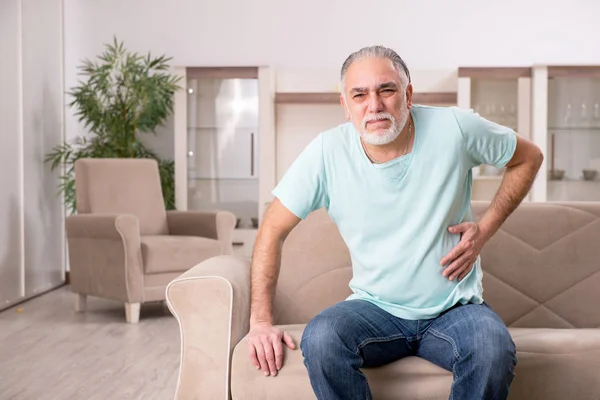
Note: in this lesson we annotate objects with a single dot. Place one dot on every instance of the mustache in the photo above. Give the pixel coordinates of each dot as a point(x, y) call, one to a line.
point(378, 117)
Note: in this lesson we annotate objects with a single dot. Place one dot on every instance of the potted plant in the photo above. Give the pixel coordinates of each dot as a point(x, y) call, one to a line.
point(123, 96)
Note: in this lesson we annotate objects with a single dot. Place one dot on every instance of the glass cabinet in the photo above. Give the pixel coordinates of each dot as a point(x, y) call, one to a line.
point(567, 127)
point(501, 95)
point(222, 145)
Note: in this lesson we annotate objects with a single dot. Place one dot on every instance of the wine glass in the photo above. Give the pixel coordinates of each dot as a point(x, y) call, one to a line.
point(596, 115)
point(568, 117)
point(583, 115)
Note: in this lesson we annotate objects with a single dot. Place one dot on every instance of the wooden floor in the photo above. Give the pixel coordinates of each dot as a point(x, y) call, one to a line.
point(47, 351)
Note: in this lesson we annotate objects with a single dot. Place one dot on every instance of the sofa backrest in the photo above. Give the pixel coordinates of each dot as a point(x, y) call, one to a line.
point(541, 269)
point(122, 186)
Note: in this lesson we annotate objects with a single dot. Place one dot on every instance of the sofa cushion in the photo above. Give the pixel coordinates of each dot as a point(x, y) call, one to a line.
point(556, 364)
point(164, 253)
point(413, 377)
point(546, 358)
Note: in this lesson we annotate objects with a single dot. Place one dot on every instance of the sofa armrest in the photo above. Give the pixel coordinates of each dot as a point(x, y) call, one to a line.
point(105, 256)
point(218, 225)
point(211, 303)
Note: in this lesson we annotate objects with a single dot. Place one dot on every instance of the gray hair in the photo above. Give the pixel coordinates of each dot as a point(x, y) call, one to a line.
point(377, 52)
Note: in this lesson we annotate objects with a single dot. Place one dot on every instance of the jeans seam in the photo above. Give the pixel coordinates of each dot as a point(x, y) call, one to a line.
point(378, 340)
point(447, 339)
point(453, 381)
point(373, 340)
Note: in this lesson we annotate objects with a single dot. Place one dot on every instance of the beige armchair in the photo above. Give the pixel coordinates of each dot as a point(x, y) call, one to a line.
point(124, 245)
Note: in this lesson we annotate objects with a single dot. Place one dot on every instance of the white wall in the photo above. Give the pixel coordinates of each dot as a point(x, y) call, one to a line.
point(297, 125)
point(31, 123)
point(11, 197)
point(435, 34)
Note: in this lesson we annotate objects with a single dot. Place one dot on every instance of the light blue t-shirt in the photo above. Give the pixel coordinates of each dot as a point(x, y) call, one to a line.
point(394, 217)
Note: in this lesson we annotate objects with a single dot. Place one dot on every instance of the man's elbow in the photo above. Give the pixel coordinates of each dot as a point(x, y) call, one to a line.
point(538, 158)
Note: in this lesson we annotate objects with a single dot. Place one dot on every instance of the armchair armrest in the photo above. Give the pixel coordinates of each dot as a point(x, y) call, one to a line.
point(218, 225)
point(105, 256)
point(211, 303)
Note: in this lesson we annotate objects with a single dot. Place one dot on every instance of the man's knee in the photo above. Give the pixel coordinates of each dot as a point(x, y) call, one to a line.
point(325, 336)
point(494, 349)
point(319, 337)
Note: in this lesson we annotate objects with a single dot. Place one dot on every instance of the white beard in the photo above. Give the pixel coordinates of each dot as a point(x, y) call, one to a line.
point(387, 135)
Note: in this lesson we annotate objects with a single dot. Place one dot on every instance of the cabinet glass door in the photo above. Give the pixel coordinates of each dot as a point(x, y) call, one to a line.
point(222, 119)
point(573, 153)
point(500, 95)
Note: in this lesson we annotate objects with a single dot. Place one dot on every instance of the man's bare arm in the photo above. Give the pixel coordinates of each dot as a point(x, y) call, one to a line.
point(264, 340)
point(266, 259)
point(520, 173)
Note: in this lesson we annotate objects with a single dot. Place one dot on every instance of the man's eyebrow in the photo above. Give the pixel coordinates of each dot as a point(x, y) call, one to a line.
point(388, 85)
point(359, 89)
point(385, 85)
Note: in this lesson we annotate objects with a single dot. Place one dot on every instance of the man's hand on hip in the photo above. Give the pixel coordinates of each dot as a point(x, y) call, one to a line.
point(461, 258)
point(265, 347)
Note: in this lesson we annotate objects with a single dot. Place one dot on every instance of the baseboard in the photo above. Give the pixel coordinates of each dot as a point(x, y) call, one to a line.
point(67, 278)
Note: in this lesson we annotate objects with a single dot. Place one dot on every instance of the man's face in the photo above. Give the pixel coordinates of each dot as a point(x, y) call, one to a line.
point(376, 102)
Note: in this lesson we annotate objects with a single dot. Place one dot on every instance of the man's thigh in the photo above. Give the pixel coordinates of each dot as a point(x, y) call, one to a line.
point(365, 329)
point(472, 330)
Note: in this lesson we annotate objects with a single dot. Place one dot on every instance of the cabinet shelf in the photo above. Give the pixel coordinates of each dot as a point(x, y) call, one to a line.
point(221, 127)
point(574, 128)
point(572, 181)
point(223, 179)
point(494, 73)
point(334, 97)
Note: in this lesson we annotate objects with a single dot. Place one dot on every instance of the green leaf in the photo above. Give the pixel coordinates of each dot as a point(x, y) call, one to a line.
point(120, 95)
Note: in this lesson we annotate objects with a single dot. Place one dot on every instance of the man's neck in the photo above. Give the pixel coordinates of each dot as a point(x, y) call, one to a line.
point(398, 147)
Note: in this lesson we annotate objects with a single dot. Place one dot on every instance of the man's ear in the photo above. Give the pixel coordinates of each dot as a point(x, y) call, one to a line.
point(345, 107)
point(409, 94)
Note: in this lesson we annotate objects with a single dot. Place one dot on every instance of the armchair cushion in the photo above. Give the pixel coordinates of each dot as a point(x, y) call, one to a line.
point(217, 225)
point(122, 186)
point(164, 253)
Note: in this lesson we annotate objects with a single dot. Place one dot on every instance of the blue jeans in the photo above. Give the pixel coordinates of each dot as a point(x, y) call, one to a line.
point(469, 340)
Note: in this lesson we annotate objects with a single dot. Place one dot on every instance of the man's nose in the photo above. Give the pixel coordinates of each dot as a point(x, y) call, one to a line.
point(375, 103)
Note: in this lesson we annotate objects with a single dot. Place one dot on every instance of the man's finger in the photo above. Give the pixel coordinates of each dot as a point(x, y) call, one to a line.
point(278, 350)
point(252, 354)
point(465, 272)
point(462, 270)
point(451, 255)
point(454, 253)
point(457, 251)
point(260, 354)
point(462, 227)
point(269, 357)
point(289, 341)
point(455, 264)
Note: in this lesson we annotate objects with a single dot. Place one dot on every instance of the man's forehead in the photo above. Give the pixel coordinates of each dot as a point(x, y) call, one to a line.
point(371, 73)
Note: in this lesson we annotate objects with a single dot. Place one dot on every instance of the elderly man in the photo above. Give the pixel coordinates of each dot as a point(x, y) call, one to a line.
point(396, 180)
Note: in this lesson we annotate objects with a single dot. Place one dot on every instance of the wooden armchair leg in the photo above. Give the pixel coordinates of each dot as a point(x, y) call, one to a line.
point(132, 312)
point(80, 301)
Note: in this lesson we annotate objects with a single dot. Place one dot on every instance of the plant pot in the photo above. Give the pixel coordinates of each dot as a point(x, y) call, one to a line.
point(589, 174)
point(556, 175)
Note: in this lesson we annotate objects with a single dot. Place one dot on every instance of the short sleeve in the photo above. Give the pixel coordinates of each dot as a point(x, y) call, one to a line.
point(303, 187)
point(486, 142)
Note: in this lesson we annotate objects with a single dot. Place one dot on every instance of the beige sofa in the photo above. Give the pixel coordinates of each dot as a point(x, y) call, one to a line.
point(123, 244)
point(542, 275)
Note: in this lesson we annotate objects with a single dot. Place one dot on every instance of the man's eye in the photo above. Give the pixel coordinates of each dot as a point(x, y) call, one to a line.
point(358, 95)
